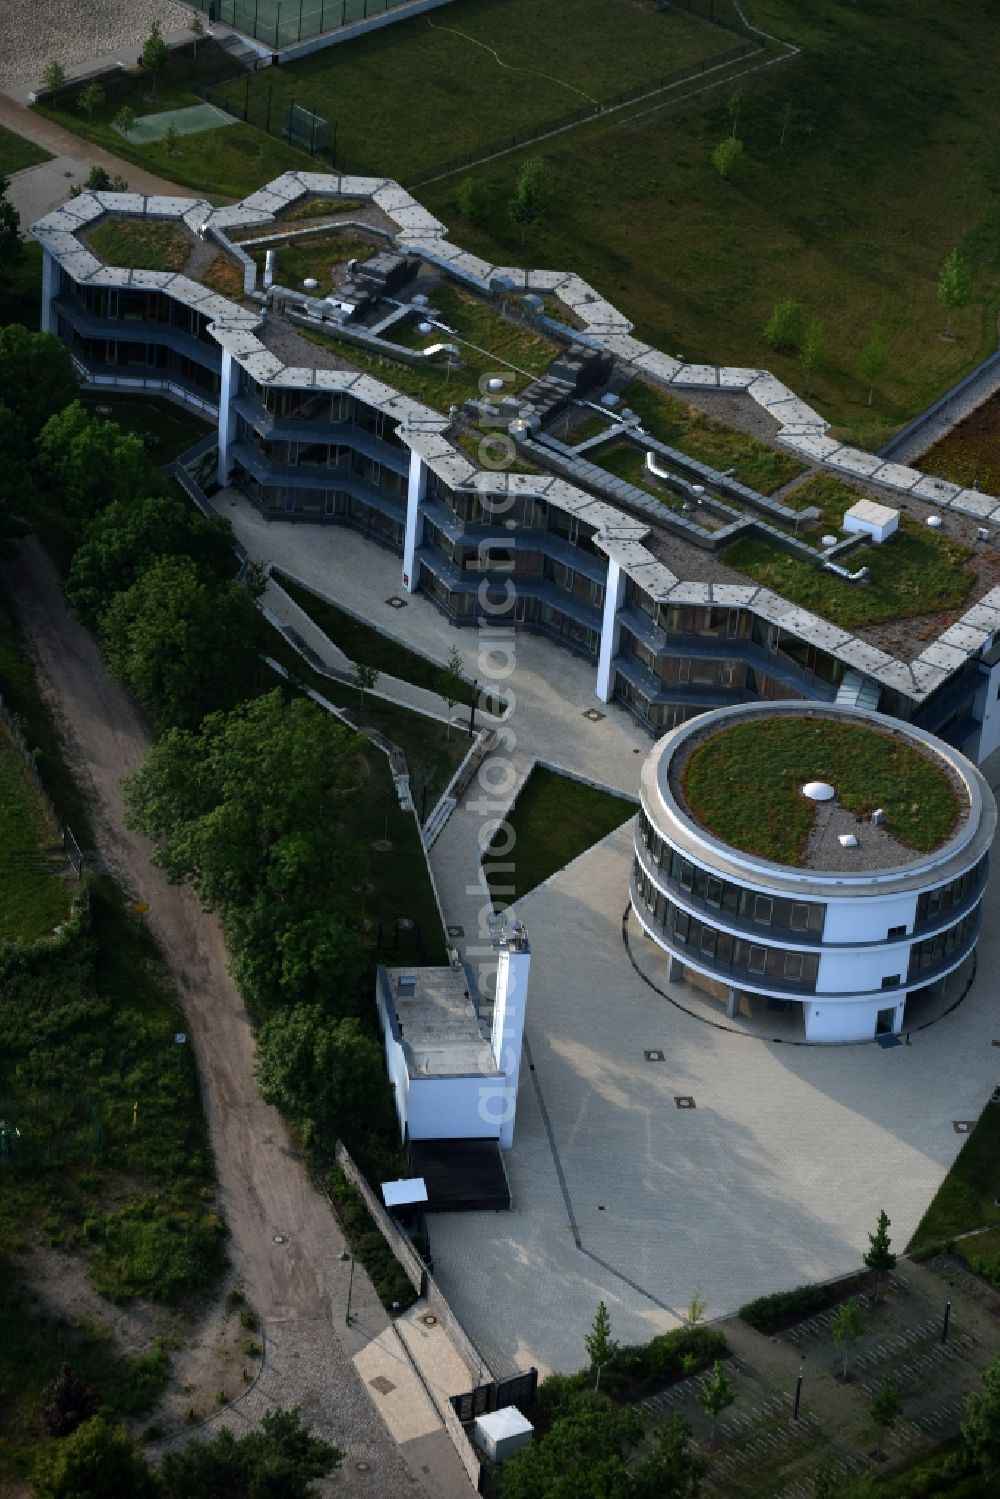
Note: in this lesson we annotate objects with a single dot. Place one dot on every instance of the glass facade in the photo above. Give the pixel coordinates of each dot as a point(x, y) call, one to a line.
point(937, 952)
point(935, 903)
point(800, 920)
point(731, 958)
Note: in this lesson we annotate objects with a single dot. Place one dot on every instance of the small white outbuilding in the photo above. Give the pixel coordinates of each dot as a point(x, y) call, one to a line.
point(871, 519)
point(502, 1433)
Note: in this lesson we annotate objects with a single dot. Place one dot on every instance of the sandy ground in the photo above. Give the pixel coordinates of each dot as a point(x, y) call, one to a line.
point(32, 32)
point(299, 1284)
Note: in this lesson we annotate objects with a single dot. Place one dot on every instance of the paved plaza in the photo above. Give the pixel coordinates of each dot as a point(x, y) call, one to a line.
point(773, 1178)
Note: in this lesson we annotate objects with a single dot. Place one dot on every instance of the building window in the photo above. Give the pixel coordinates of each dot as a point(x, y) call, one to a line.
point(763, 910)
point(891, 981)
point(896, 931)
point(757, 960)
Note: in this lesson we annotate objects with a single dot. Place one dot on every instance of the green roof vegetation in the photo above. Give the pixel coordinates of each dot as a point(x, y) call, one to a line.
point(295, 259)
point(489, 448)
point(626, 461)
point(140, 244)
point(744, 783)
point(710, 441)
point(224, 276)
point(506, 343)
point(555, 819)
point(970, 454)
point(914, 572)
point(313, 207)
point(830, 496)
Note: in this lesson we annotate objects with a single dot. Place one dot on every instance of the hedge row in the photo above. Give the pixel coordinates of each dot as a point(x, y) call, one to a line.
point(770, 1313)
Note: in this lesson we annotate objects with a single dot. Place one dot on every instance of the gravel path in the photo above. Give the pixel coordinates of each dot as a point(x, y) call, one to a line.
point(284, 1241)
point(34, 31)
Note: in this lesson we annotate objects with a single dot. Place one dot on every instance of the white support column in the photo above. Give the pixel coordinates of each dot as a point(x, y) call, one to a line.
point(227, 413)
point(614, 597)
point(513, 967)
point(50, 289)
point(414, 534)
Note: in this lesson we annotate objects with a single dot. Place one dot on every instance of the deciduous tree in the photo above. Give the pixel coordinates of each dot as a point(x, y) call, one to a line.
point(124, 121)
point(813, 351)
point(53, 76)
point(37, 377)
point(155, 54)
point(954, 284)
point(531, 194)
point(729, 158)
point(90, 98)
point(196, 26)
point(715, 1394)
point(90, 462)
point(126, 538)
point(276, 1462)
point(66, 1403)
point(325, 1075)
point(873, 361)
point(97, 1460)
point(783, 330)
point(185, 645)
point(981, 1426)
point(884, 1410)
point(451, 682)
point(11, 244)
point(846, 1329)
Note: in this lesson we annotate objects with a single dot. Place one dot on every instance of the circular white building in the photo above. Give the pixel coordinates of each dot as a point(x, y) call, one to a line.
point(824, 856)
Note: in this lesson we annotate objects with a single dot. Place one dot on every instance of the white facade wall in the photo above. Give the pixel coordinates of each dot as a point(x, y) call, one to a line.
point(456, 1108)
point(867, 918)
point(413, 535)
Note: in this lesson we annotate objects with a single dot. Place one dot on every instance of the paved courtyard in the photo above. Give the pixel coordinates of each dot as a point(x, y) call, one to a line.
point(774, 1178)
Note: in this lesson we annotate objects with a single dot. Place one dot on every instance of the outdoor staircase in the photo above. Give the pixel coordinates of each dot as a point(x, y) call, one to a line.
point(857, 691)
point(436, 821)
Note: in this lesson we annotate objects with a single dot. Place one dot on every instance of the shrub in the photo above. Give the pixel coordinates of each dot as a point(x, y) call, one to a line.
point(769, 1313)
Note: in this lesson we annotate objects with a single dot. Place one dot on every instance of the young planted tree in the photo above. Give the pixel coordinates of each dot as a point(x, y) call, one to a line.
point(783, 330)
point(155, 54)
point(884, 1410)
point(880, 1257)
point(873, 360)
point(954, 285)
point(196, 26)
point(600, 1345)
point(828, 1481)
point(729, 158)
point(89, 99)
point(53, 76)
point(786, 119)
point(530, 195)
point(734, 105)
point(124, 121)
point(694, 1312)
point(715, 1394)
point(451, 683)
point(170, 139)
point(846, 1329)
point(813, 352)
point(366, 677)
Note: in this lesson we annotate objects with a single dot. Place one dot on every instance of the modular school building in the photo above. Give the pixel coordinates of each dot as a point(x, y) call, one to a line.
point(321, 416)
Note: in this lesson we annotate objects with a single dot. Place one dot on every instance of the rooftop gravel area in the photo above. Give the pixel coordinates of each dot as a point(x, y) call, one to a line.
point(744, 784)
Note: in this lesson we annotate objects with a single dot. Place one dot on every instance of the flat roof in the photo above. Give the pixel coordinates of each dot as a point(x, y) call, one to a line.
point(438, 1023)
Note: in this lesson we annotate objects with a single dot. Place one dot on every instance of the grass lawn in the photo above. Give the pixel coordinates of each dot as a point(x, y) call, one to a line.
point(966, 1198)
point(484, 70)
point(34, 894)
point(858, 238)
point(743, 784)
point(912, 573)
point(364, 643)
point(970, 453)
point(166, 429)
point(316, 256)
point(555, 819)
point(17, 153)
point(221, 164)
point(143, 244)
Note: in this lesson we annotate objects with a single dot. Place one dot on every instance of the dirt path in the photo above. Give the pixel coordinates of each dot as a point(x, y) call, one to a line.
point(299, 1285)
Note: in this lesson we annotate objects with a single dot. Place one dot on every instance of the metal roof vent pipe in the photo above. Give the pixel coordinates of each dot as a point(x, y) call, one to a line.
point(268, 270)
